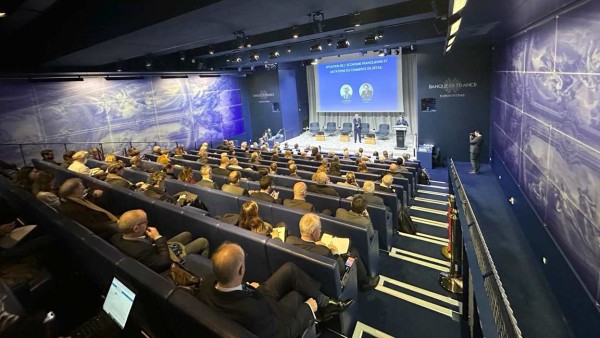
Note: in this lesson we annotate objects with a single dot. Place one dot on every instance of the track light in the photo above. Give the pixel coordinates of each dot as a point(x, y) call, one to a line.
point(252, 68)
point(355, 19)
point(182, 56)
point(288, 49)
point(396, 51)
point(193, 60)
point(148, 62)
point(2, 14)
point(273, 55)
point(342, 43)
point(240, 39)
point(120, 66)
point(381, 53)
point(254, 57)
point(211, 50)
point(370, 39)
point(316, 48)
point(314, 62)
point(448, 48)
point(329, 42)
point(295, 34)
point(238, 59)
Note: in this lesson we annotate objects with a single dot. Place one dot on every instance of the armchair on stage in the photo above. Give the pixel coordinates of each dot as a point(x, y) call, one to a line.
point(400, 136)
point(365, 128)
point(383, 132)
point(346, 128)
point(313, 128)
point(331, 128)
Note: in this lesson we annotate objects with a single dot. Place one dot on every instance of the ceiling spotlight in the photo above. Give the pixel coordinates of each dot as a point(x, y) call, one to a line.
point(355, 19)
point(148, 62)
point(381, 53)
point(193, 60)
point(254, 57)
point(342, 43)
point(120, 66)
point(2, 14)
point(211, 50)
point(182, 56)
point(396, 51)
point(238, 59)
point(240, 39)
point(329, 42)
point(448, 48)
point(317, 20)
point(288, 49)
point(379, 35)
point(316, 48)
point(273, 55)
point(314, 62)
point(295, 34)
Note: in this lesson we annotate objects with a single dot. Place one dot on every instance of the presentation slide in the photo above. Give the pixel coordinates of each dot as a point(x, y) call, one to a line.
point(360, 85)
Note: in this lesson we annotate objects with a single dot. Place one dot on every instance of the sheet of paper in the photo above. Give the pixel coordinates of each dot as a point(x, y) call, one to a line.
point(342, 244)
point(280, 233)
point(9, 240)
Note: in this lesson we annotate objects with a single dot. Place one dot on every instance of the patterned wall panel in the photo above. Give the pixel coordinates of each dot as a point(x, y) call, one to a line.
point(546, 125)
point(97, 110)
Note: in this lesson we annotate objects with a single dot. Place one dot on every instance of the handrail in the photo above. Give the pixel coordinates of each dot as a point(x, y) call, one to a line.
point(496, 317)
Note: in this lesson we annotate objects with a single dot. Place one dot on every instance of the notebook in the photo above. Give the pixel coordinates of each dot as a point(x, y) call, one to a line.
point(9, 240)
point(114, 314)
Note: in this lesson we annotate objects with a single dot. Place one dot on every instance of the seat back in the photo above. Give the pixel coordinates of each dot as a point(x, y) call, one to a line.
point(331, 126)
point(381, 220)
point(384, 129)
point(364, 128)
point(346, 127)
point(322, 202)
point(313, 127)
point(254, 247)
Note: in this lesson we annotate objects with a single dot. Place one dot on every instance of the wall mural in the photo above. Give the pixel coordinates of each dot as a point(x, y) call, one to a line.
point(546, 128)
point(97, 110)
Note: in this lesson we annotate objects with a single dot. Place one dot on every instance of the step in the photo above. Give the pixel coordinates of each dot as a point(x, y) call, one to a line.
point(432, 187)
point(433, 195)
point(429, 203)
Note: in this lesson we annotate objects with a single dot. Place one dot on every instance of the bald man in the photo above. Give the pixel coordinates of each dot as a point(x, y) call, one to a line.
point(283, 306)
point(299, 195)
point(137, 240)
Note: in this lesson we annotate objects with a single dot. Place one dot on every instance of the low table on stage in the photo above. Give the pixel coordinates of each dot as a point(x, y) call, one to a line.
point(370, 139)
point(400, 137)
point(320, 136)
point(344, 137)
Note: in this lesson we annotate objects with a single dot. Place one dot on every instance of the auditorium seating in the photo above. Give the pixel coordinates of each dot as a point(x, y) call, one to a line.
point(262, 262)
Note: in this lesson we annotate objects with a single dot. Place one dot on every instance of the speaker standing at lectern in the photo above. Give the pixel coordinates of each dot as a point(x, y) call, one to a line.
point(402, 121)
point(356, 123)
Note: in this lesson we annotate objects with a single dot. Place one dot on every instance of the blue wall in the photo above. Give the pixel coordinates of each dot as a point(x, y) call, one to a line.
point(546, 130)
point(460, 83)
point(97, 110)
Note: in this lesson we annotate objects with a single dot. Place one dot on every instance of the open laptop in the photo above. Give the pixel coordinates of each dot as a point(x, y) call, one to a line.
point(114, 314)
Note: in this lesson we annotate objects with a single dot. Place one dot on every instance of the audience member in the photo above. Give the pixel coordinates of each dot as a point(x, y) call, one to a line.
point(131, 152)
point(293, 171)
point(350, 180)
point(362, 167)
point(273, 168)
point(283, 306)
point(145, 244)
point(334, 169)
point(386, 184)
point(310, 231)
point(156, 189)
point(110, 159)
point(234, 164)
point(206, 172)
point(163, 158)
point(288, 154)
point(156, 151)
point(234, 186)
point(168, 170)
point(203, 157)
point(136, 163)
point(68, 158)
point(73, 203)
point(357, 214)
point(43, 189)
point(180, 151)
point(266, 192)
point(320, 169)
point(186, 175)
point(25, 177)
point(254, 158)
point(368, 189)
point(78, 165)
point(222, 169)
point(115, 176)
point(248, 213)
point(396, 170)
point(299, 195)
point(321, 186)
point(48, 156)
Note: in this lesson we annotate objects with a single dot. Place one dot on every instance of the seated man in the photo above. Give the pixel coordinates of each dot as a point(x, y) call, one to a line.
point(156, 151)
point(310, 231)
point(206, 181)
point(321, 186)
point(299, 196)
point(357, 214)
point(137, 240)
point(234, 186)
point(222, 169)
point(266, 192)
point(386, 184)
point(48, 156)
point(293, 171)
point(369, 196)
point(155, 188)
point(397, 170)
point(73, 204)
point(115, 176)
point(282, 306)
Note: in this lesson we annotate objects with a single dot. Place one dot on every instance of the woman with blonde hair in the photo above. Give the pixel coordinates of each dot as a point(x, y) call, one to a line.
point(186, 175)
point(350, 180)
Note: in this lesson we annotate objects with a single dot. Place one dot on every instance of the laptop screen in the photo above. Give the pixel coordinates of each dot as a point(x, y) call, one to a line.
point(118, 302)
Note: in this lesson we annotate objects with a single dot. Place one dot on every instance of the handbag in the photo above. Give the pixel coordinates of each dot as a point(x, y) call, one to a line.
point(185, 279)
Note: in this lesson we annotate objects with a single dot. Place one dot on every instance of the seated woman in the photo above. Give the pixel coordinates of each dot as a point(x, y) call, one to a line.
point(250, 220)
point(180, 151)
point(43, 189)
point(116, 170)
point(25, 177)
point(334, 169)
point(186, 175)
point(350, 180)
point(362, 167)
point(320, 169)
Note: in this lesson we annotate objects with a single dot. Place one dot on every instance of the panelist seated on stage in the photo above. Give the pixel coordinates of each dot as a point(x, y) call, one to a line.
point(402, 121)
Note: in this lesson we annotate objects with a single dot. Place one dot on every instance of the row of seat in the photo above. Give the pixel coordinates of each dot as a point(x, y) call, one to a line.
point(265, 255)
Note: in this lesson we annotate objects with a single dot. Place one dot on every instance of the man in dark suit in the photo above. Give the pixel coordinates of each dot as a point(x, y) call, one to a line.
point(369, 196)
point(321, 186)
point(357, 127)
point(386, 184)
point(266, 193)
point(206, 181)
point(145, 244)
point(283, 306)
point(475, 141)
point(234, 186)
point(293, 171)
point(310, 231)
point(298, 202)
point(357, 214)
point(222, 169)
point(402, 121)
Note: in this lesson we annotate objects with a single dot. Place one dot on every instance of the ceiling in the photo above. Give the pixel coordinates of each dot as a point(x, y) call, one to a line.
point(86, 35)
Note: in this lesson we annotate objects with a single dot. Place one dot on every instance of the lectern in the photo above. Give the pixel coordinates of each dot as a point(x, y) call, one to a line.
point(400, 137)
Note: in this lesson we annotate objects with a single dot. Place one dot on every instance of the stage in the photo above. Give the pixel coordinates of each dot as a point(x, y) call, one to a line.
point(333, 143)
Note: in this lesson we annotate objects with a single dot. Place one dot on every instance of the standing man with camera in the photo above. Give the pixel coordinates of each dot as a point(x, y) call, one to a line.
point(475, 140)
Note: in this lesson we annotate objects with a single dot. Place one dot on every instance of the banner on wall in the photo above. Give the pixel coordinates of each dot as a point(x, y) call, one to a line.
point(263, 96)
point(452, 88)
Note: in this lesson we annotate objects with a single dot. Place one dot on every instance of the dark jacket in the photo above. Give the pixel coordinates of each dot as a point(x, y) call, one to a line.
point(221, 171)
point(372, 199)
point(323, 189)
point(207, 183)
point(353, 217)
point(234, 189)
point(263, 196)
point(97, 222)
point(318, 249)
point(153, 255)
point(299, 204)
point(158, 194)
point(475, 144)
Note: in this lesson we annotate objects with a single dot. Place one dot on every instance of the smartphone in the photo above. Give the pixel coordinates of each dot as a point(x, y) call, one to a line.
point(349, 262)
